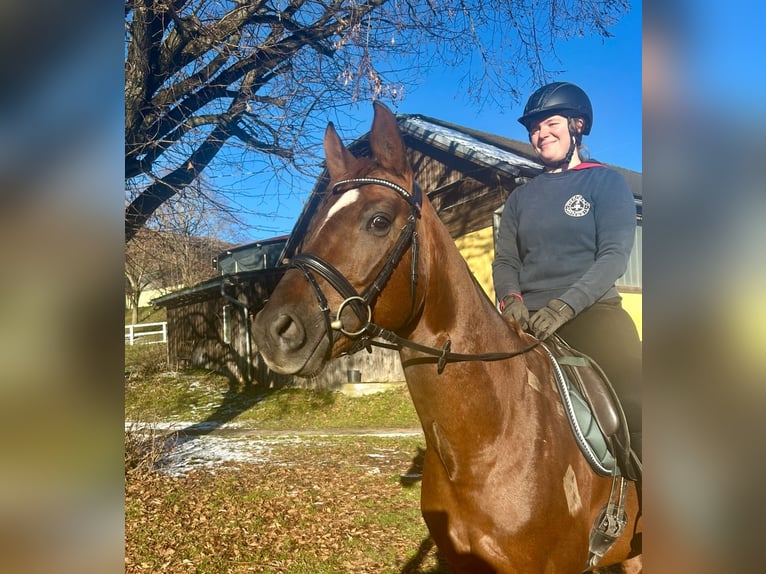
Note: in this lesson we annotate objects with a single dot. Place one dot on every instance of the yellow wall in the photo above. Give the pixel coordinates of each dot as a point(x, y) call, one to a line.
point(632, 302)
point(478, 250)
point(149, 294)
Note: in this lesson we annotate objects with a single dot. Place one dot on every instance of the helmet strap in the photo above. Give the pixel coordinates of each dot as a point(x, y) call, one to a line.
point(564, 163)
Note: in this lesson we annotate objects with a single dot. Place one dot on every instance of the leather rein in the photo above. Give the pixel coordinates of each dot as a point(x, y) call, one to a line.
point(361, 304)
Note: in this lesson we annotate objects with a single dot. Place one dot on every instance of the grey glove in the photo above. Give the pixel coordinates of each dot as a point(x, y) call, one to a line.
point(513, 308)
point(548, 319)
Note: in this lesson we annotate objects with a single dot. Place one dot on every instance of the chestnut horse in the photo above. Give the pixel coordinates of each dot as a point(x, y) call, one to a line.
point(505, 487)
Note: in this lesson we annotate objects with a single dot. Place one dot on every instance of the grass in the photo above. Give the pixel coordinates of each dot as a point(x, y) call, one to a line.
point(320, 505)
point(151, 394)
point(147, 315)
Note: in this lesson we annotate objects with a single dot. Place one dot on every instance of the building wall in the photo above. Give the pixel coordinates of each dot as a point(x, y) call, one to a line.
point(195, 338)
point(478, 250)
point(210, 333)
point(380, 366)
point(633, 304)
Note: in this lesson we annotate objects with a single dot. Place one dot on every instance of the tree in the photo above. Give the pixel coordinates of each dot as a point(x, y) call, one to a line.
point(177, 246)
point(191, 226)
point(202, 76)
point(143, 268)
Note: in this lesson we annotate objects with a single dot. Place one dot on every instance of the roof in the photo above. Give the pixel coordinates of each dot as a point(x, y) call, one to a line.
point(213, 287)
point(475, 144)
point(254, 256)
point(250, 244)
point(510, 156)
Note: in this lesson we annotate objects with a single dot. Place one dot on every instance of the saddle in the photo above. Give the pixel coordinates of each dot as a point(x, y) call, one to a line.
point(584, 385)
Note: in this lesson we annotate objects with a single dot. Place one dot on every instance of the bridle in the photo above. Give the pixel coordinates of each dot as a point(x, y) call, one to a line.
point(362, 304)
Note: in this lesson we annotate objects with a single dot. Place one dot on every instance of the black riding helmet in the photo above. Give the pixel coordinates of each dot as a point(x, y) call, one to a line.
point(563, 98)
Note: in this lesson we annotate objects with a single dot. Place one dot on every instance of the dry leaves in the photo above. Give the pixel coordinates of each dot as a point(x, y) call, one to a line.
point(336, 506)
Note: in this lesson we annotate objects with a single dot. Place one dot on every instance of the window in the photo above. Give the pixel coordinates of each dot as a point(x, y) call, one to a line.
point(633, 278)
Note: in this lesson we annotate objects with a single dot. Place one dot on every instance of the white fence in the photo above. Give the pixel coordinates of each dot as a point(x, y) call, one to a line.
point(153, 332)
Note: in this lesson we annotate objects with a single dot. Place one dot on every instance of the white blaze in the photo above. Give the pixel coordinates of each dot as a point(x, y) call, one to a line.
point(345, 200)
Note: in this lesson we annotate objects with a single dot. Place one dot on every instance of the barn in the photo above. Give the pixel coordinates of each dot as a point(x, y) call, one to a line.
point(467, 175)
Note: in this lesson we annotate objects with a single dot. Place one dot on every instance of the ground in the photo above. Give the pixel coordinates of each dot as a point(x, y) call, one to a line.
point(232, 500)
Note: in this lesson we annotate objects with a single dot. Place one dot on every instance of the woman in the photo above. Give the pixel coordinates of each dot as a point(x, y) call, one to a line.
point(564, 239)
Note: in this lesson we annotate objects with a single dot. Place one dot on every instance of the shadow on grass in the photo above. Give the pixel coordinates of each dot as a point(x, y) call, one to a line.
point(414, 474)
point(237, 399)
point(240, 396)
point(415, 564)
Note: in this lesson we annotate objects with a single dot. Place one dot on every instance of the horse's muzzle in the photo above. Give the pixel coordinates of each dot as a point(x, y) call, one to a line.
point(288, 344)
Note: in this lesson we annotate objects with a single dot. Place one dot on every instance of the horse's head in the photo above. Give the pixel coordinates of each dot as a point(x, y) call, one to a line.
point(355, 264)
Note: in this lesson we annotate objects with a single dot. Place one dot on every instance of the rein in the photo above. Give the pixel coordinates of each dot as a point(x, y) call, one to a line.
point(362, 304)
point(444, 354)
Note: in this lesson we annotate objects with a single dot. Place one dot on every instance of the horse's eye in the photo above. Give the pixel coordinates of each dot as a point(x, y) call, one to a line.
point(379, 224)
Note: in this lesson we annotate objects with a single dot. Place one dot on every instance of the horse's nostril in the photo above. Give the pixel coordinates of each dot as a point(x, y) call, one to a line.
point(288, 332)
point(281, 324)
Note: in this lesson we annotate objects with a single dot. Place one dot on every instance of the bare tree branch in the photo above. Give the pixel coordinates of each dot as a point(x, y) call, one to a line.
point(202, 76)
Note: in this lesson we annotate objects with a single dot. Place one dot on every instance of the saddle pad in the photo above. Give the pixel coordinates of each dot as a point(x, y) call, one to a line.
point(587, 434)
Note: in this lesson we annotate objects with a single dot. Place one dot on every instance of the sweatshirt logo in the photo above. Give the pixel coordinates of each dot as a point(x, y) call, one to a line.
point(576, 206)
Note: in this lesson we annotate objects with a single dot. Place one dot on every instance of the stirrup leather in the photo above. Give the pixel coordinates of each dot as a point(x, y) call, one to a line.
point(610, 523)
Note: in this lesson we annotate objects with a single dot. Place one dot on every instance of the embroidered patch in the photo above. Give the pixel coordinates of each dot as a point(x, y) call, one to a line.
point(576, 206)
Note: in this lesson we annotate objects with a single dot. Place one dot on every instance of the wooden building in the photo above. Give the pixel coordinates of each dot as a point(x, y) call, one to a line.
point(467, 175)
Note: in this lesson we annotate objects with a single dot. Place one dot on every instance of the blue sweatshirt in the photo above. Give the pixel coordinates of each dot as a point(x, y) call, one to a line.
point(567, 236)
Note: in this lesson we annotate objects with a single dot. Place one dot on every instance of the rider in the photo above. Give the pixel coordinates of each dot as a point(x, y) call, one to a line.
point(564, 239)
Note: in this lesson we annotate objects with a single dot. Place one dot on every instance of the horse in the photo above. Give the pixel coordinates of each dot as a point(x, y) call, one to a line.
point(504, 487)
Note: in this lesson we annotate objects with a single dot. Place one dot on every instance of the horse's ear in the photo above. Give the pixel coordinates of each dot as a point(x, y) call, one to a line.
point(339, 159)
point(386, 141)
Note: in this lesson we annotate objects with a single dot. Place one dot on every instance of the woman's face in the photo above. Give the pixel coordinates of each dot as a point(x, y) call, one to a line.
point(550, 138)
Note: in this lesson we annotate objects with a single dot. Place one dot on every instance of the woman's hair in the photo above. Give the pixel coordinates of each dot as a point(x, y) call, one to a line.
point(582, 149)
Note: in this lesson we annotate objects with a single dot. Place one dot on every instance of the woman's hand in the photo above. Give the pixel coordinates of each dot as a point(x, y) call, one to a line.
point(513, 308)
point(548, 319)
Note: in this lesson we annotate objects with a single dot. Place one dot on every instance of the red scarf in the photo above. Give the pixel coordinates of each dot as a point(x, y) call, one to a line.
point(586, 165)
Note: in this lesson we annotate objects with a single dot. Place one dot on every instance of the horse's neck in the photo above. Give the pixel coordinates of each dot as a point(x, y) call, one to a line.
point(457, 308)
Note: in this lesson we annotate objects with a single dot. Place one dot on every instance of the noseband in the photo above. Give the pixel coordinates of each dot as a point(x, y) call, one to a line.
point(362, 304)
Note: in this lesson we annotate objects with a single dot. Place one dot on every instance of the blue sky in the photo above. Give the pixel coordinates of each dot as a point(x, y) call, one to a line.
point(609, 70)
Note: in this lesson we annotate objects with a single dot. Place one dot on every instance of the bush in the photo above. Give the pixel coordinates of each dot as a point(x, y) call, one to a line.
point(145, 360)
point(144, 449)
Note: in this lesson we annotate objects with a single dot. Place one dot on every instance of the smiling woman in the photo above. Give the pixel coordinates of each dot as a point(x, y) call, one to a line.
point(565, 238)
